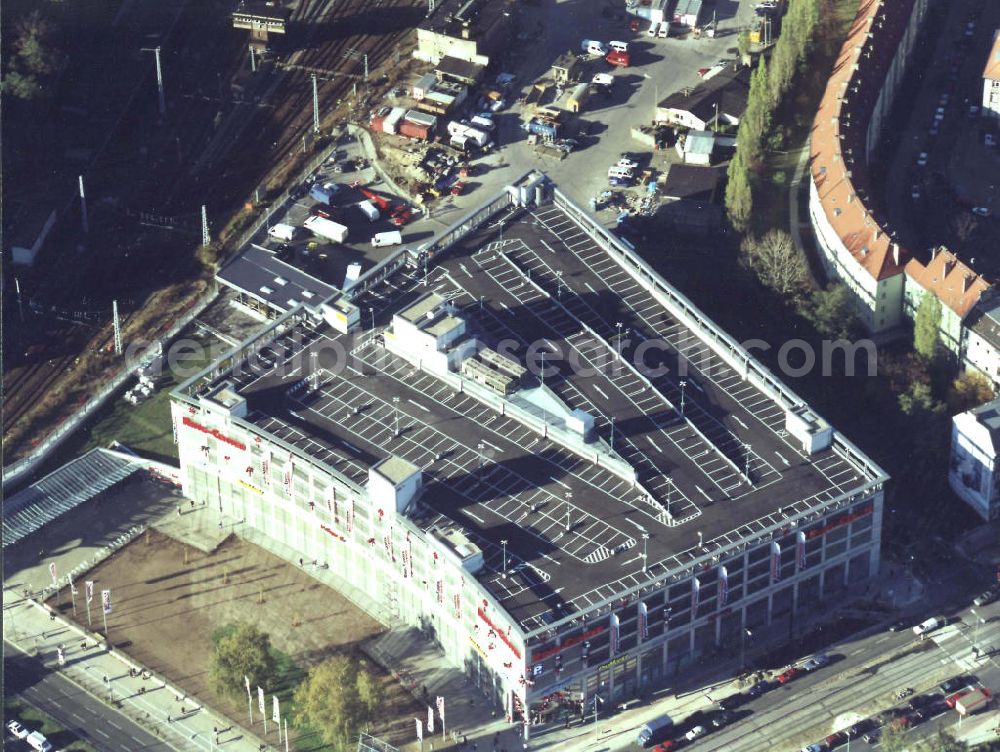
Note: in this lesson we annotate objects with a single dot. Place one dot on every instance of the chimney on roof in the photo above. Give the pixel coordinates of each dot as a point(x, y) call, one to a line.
point(895, 253)
point(967, 282)
point(850, 198)
point(933, 252)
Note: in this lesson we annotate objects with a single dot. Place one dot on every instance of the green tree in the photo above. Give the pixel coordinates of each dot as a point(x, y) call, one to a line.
point(942, 741)
point(241, 649)
point(968, 390)
point(20, 85)
point(743, 46)
point(36, 57)
point(892, 740)
point(833, 313)
point(338, 697)
point(739, 198)
point(926, 325)
point(918, 400)
point(776, 262)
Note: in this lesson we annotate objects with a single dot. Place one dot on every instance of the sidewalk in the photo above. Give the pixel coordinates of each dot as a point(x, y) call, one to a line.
point(112, 677)
point(417, 663)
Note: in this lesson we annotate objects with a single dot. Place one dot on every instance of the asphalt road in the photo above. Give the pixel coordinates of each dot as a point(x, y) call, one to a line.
point(77, 711)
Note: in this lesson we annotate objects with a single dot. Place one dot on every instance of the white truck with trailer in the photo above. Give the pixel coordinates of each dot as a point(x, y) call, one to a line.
point(327, 229)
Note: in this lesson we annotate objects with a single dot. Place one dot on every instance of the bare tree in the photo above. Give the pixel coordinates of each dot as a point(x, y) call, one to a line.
point(776, 262)
point(965, 225)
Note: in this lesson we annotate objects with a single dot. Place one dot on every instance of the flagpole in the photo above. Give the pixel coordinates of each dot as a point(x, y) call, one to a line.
point(250, 707)
point(90, 623)
point(286, 735)
point(104, 613)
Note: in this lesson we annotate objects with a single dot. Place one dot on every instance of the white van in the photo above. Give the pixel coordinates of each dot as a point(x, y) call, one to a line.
point(653, 28)
point(393, 237)
point(619, 173)
point(282, 232)
point(664, 31)
point(38, 742)
point(927, 626)
point(596, 48)
point(618, 46)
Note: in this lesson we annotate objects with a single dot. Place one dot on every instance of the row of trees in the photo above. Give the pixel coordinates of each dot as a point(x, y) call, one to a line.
point(35, 58)
point(768, 85)
point(338, 697)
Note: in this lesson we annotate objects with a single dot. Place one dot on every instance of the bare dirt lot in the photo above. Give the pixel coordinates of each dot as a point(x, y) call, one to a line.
point(169, 599)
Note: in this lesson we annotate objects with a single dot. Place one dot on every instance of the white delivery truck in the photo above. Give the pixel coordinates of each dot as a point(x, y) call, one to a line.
point(282, 232)
point(393, 237)
point(323, 193)
point(325, 228)
point(37, 741)
point(368, 209)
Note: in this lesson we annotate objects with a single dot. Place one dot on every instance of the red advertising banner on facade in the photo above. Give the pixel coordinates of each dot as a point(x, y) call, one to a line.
point(775, 562)
point(615, 635)
point(643, 620)
point(800, 550)
point(440, 591)
point(350, 514)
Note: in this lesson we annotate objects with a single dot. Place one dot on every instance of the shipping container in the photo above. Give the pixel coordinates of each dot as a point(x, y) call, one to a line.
point(391, 123)
point(456, 128)
point(368, 209)
point(326, 228)
point(541, 128)
point(414, 130)
point(478, 137)
point(578, 98)
point(378, 123)
point(420, 118)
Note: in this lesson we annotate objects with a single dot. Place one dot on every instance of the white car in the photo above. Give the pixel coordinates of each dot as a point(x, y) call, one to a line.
point(696, 733)
point(812, 748)
point(17, 730)
point(989, 140)
point(926, 626)
point(627, 164)
point(915, 193)
point(982, 211)
point(922, 159)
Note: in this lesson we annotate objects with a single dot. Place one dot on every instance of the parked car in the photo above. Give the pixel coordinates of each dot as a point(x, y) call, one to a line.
point(670, 745)
point(987, 597)
point(922, 159)
point(836, 739)
point(758, 689)
point(813, 748)
point(982, 211)
point(899, 626)
point(989, 139)
point(952, 685)
point(928, 625)
point(871, 736)
point(817, 661)
point(16, 730)
point(787, 675)
point(721, 718)
point(696, 733)
point(732, 701)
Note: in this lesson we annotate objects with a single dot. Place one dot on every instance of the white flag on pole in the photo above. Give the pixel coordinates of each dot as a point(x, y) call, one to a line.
point(275, 710)
point(440, 707)
point(106, 601)
point(420, 729)
point(72, 587)
point(260, 701)
point(430, 720)
point(53, 573)
point(89, 588)
point(246, 681)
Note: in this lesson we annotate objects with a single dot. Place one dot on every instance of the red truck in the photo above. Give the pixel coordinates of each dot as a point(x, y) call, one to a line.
point(973, 702)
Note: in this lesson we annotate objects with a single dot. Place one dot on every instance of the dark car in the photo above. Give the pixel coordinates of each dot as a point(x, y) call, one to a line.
point(732, 701)
point(899, 626)
point(758, 689)
point(859, 728)
point(872, 735)
point(916, 717)
point(952, 685)
point(920, 701)
point(721, 718)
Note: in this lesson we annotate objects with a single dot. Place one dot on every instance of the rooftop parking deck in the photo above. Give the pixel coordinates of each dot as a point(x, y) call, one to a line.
point(711, 456)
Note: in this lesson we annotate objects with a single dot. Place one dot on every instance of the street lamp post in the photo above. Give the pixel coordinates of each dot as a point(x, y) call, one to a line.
point(645, 539)
point(395, 406)
point(612, 433)
point(656, 93)
point(683, 386)
point(504, 544)
point(619, 341)
point(743, 647)
point(372, 312)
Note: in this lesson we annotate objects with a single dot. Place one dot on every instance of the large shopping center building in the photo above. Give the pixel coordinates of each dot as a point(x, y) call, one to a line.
point(523, 440)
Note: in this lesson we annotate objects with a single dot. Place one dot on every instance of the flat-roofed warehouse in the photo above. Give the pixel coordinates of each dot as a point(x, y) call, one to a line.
point(633, 492)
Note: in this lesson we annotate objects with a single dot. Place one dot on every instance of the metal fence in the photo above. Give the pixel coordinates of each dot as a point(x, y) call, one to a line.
point(369, 743)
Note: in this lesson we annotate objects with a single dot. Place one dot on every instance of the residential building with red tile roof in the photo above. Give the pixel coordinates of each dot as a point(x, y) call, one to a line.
point(955, 284)
point(849, 224)
point(991, 80)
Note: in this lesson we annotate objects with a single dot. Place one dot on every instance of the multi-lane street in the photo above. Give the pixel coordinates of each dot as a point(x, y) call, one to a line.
point(77, 711)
